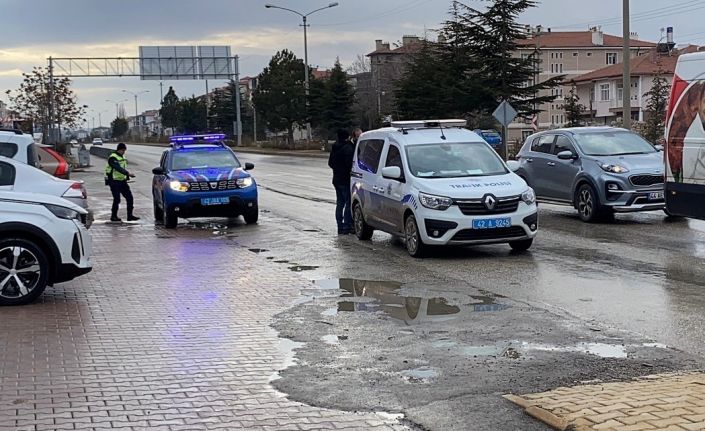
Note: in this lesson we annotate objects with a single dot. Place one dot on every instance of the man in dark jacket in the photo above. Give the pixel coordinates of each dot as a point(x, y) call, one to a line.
point(340, 161)
point(117, 175)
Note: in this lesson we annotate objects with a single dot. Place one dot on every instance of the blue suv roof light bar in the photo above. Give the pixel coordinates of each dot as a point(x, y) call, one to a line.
point(214, 138)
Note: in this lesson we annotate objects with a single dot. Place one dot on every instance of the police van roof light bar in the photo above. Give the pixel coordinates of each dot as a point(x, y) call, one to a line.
point(428, 124)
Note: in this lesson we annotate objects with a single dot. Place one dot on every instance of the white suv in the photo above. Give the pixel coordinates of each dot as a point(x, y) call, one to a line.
point(42, 242)
point(436, 183)
point(18, 146)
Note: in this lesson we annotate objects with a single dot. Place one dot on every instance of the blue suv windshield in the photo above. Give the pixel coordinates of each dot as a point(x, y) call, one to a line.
point(202, 159)
point(613, 144)
point(454, 160)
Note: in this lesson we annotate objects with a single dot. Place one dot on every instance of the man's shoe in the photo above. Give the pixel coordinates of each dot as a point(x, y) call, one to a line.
point(115, 219)
point(132, 218)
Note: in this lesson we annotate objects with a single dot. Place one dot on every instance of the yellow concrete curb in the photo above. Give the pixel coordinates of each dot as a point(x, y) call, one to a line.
point(548, 418)
point(520, 401)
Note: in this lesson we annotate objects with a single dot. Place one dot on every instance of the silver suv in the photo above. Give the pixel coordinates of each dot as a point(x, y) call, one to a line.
point(597, 170)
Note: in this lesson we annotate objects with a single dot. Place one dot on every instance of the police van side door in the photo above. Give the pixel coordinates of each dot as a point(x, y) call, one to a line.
point(365, 178)
point(392, 207)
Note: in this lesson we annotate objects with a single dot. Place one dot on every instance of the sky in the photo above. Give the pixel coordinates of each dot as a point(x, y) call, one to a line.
point(33, 30)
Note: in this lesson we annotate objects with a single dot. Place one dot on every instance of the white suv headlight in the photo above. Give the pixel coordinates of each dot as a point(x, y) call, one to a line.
point(440, 203)
point(63, 212)
point(529, 197)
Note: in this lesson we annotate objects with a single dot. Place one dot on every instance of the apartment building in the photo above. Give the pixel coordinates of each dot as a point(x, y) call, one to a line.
point(601, 90)
point(573, 54)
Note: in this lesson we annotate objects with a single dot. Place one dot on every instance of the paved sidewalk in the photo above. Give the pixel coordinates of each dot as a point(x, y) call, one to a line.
point(662, 402)
point(169, 332)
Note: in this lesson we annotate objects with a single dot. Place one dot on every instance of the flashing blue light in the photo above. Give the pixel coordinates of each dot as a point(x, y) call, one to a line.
point(196, 138)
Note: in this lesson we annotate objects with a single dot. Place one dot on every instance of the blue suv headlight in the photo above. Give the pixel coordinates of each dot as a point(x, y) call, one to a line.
point(178, 186)
point(244, 182)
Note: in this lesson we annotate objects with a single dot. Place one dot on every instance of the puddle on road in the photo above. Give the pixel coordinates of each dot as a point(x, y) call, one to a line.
point(331, 339)
point(258, 250)
point(385, 296)
point(419, 375)
point(287, 348)
point(598, 349)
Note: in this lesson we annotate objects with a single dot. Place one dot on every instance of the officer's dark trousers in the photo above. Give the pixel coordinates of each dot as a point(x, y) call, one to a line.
point(118, 188)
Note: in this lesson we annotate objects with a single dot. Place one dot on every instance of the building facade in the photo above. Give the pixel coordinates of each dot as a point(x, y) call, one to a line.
point(573, 54)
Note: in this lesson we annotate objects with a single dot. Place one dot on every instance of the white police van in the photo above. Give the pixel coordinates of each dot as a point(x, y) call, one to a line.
point(437, 183)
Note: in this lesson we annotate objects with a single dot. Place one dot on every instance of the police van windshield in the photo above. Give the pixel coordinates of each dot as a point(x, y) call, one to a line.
point(454, 160)
point(202, 159)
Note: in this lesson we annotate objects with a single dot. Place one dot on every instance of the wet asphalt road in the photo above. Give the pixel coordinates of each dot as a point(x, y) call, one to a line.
point(643, 273)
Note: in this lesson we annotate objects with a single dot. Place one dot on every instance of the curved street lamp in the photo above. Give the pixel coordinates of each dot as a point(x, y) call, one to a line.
point(304, 17)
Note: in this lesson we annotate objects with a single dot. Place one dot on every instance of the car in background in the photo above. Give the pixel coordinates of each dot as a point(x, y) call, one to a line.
point(52, 162)
point(18, 146)
point(20, 177)
point(97, 141)
point(42, 242)
point(598, 170)
point(435, 183)
point(490, 136)
point(200, 176)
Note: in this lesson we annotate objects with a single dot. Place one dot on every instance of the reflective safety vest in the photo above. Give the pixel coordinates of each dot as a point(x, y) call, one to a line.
point(111, 173)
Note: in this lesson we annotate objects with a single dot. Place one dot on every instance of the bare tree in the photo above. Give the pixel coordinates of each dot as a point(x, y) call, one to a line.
point(361, 64)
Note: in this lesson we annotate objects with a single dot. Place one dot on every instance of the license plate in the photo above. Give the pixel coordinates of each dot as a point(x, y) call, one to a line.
point(656, 196)
point(215, 201)
point(492, 223)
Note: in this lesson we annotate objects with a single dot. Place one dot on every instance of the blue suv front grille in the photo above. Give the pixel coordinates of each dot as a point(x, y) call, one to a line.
point(212, 186)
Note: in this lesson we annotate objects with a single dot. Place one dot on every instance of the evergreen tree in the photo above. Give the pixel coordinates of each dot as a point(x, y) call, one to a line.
point(656, 107)
point(280, 97)
point(487, 40)
point(574, 110)
point(192, 115)
point(169, 111)
point(222, 110)
point(119, 127)
point(339, 99)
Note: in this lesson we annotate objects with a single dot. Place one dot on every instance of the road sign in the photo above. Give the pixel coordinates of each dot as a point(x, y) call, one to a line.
point(534, 123)
point(505, 113)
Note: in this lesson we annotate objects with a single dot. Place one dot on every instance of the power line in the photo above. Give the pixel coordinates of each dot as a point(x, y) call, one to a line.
point(396, 10)
point(656, 12)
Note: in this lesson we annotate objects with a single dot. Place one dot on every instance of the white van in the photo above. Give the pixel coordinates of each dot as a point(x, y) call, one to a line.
point(436, 183)
point(685, 139)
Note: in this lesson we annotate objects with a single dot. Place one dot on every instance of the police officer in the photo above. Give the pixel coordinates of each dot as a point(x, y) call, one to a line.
point(116, 175)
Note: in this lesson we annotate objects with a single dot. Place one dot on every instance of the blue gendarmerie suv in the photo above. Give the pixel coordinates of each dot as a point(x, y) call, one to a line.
point(200, 176)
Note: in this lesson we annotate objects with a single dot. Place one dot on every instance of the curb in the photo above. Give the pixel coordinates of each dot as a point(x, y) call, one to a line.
point(252, 150)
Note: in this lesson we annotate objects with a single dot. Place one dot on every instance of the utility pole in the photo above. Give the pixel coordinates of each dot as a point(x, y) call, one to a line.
point(50, 127)
point(238, 114)
point(626, 74)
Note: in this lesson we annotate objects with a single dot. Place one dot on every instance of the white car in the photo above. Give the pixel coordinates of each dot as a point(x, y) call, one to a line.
point(19, 177)
point(97, 141)
point(42, 242)
point(436, 183)
point(19, 146)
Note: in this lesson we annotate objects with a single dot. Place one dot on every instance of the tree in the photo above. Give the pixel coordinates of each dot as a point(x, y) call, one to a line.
point(361, 64)
point(280, 97)
point(656, 107)
point(573, 108)
point(338, 101)
point(169, 111)
point(192, 115)
point(479, 46)
point(35, 97)
point(119, 127)
point(222, 110)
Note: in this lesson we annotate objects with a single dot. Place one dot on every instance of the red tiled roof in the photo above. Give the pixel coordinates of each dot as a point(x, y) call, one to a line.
point(647, 64)
point(578, 39)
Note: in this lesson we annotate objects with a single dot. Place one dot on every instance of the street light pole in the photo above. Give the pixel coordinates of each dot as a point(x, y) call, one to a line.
point(139, 127)
point(304, 17)
point(626, 73)
point(117, 105)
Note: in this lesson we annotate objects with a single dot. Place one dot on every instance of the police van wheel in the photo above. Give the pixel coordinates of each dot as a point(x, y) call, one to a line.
point(414, 244)
point(522, 245)
point(251, 216)
point(158, 213)
point(170, 219)
point(24, 271)
point(363, 231)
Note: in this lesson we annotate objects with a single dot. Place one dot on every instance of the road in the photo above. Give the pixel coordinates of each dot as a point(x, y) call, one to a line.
point(642, 274)
point(436, 341)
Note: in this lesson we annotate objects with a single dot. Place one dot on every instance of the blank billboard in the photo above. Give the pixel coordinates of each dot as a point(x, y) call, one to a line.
point(186, 62)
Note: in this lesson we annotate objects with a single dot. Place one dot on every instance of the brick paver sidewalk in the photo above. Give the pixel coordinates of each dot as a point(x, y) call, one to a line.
point(169, 332)
point(664, 402)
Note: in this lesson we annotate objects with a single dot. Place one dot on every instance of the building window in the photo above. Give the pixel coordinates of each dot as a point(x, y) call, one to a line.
point(560, 66)
point(604, 92)
point(561, 55)
point(575, 54)
point(611, 58)
point(552, 55)
point(562, 119)
point(620, 91)
point(589, 54)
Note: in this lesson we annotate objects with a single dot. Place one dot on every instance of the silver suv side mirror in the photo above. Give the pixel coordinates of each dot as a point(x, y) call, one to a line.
point(566, 155)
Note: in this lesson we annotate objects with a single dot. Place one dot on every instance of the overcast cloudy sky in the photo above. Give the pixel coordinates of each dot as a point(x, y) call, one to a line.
point(34, 29)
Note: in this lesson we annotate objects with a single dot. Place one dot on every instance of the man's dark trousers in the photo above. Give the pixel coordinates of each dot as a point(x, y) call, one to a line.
point(343, 215)
point(118, 188)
